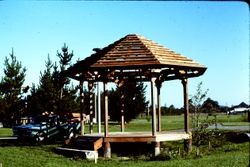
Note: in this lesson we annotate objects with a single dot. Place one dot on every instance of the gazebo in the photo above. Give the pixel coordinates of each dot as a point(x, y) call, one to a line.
point(137, 59)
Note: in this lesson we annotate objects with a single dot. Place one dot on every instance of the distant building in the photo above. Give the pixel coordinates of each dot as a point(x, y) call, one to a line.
point(239, 109)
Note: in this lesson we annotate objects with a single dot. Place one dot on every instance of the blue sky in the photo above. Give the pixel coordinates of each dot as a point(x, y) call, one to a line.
point(216, 34)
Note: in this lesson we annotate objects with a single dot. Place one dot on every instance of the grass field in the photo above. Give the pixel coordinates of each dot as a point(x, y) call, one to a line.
point(168, 123)
point(44, 156)
point(5, 132)
point(228, 154)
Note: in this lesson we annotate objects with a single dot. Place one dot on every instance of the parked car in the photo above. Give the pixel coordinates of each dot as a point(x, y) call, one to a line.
point(45, 127)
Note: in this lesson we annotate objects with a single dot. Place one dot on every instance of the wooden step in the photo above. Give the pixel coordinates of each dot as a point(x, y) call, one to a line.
point(87, 143)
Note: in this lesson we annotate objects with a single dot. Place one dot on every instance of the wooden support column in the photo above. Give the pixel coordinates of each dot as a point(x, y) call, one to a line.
point(81, 107)
point(158, 86)
point(122, 113)
point(91, 106)
point(157, 148)
point(107, 148)
point(98, 109)
point(187, 143)
point(153, 107)
point(106, 130)
point(120, 85)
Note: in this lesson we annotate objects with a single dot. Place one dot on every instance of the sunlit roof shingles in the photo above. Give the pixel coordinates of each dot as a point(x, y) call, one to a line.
point(136, 50)
point(166, 56)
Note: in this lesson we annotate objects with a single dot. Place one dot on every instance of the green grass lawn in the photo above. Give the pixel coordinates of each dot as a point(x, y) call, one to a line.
point(229, 154)
point(175, 122)
point(44, 156)
point(168, 123)
point(5, 132)
point(142, 124)
point(236, 124)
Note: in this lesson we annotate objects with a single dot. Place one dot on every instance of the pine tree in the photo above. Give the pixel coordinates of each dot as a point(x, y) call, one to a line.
point(67, 99)
point(11, 89)
point(53, 94)
point(135, 101)
point(64, 60)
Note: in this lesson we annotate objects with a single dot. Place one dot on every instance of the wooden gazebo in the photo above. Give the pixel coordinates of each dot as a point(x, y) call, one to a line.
point(135, 58)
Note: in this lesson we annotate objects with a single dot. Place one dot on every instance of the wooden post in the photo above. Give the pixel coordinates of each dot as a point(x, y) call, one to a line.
point(107, 150)
point(186, 108)
point(105, 109)
point(153, 107)
point(120, 85)
point(98, 109)
point(91, 106)
point(158, 85)
point(81, 106)
point(187, 143)
point(122, 113)
point(157, 148)
point(158, 144)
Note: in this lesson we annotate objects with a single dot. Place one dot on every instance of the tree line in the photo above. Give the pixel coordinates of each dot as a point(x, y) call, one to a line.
point(209, 106)
point(56, 93)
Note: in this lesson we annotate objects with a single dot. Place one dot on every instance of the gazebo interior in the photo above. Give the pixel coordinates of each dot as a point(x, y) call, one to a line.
point(134, 58)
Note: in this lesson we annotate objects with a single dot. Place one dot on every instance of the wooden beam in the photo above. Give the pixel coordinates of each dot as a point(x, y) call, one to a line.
point(153, 107)
point(81, 106)
point(107, 150)
point(188, 142)
point(122, 112)
point(91, 106)
point(158, 86)
point(99, 108)
point(106, 130)
point(186, 108)
point(128, 139)
point(120, 83)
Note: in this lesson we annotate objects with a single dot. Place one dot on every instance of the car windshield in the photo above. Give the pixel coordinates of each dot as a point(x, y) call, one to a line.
point(40, 119)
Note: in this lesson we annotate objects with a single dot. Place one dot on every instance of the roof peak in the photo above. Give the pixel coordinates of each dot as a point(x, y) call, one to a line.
point(134, 51)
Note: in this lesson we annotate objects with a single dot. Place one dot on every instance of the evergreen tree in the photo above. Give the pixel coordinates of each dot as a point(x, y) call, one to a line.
point(53, 93)
point(134, 98)
point(67, 99)
point(11, 89)
point(64, 59)
point(46, 93)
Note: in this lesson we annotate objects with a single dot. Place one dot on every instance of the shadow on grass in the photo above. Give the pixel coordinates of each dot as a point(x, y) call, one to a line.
point(27, 142)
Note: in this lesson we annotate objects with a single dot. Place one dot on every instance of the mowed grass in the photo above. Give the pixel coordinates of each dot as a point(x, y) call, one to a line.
point(230, 154)
point(143, 124)
point(44, 156)
point(5, 132)
point(172, 122)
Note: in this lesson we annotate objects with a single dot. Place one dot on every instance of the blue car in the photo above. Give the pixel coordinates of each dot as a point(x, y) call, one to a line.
point(45, 127)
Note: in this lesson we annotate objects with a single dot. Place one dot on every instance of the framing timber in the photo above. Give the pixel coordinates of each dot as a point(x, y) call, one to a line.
point(134, 58)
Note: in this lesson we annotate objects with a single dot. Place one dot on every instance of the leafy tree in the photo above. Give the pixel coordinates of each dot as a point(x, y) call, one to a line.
point(200, 134)
point(195, 104)
point(210, 106)
point(11, 89)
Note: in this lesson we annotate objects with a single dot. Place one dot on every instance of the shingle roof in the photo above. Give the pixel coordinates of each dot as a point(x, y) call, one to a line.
point(136, 52)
